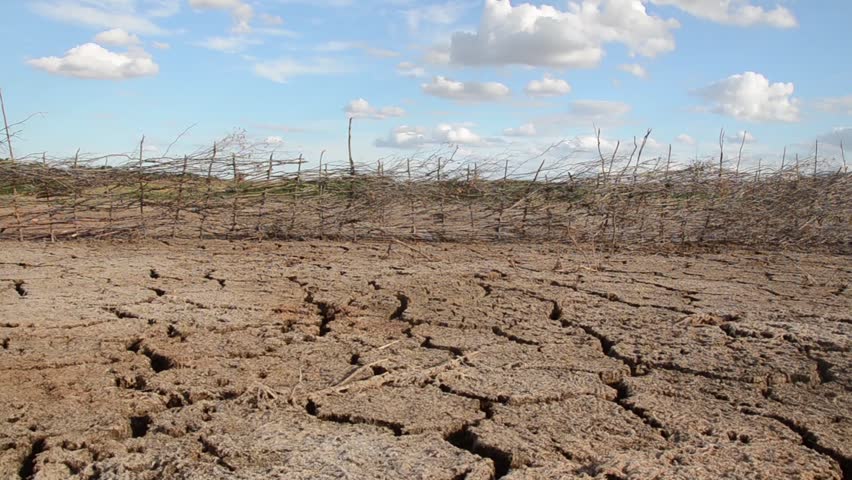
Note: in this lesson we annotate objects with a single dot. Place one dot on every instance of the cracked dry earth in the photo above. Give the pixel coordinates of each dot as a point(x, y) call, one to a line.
point(337, 360)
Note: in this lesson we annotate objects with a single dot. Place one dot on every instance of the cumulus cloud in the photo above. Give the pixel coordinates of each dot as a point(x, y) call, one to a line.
point(544, 35)
point(361, 108)
point(161, 45)
point(281, 70)
point(750, 96)
point(634, 69)
point(413, 137)
point(685, 139)
point(92, 61)
point(842, 105)
point(241, 12)
point(525, 130)
point(735, 12)
point(465, 91)
point(408, 69)
point(274, 140)
point(116, 37)
point(548, 87)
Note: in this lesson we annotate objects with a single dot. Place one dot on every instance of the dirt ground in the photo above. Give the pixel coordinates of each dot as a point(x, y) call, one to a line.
point(337, 360)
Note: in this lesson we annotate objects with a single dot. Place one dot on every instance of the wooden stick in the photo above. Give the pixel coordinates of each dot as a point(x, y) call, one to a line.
point(236, 194)
point(49, 206)
point(142, 188)
point(14, 184)
point(179, 198)
point(351, 162)
point(74, 173)
point(6, 124)
point(207, 193)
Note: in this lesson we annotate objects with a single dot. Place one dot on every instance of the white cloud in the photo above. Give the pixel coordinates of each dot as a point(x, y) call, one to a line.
point(750, 96)
point(92, 61)
point(634, 69)
point(232, 44)
point(548, 87)
point(360, 108)
point(412, 137)
point(408, 69)
point(241, 12)
point(734, 12)
point(161, 45)
point(842, 105)
point(116, 37)
point(685, 139)
point(465, 91)
point(124, 14)
point(274, 140)
point(543, 35)
point(337, 46)
point(439, 14)
point(281, 70)
point(525, 130)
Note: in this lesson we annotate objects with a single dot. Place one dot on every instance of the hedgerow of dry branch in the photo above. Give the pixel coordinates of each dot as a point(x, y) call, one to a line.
point(236, 190)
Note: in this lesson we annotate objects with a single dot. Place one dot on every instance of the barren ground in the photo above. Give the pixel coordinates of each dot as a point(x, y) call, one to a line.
point(331, 360)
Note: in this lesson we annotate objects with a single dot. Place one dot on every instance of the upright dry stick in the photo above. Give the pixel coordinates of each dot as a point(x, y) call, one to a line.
point(351, 162)
point(207, 193)
point(721, 151)
point(843, 156)
point(410, 196)
point(295, 200)
point(14, 184)
point(600, 154)
point(611, 161)
point(179, 197)
point(259, 227)
point(639, 157)
point(6, 124)
point(47, 197)
point(74, 199)
point(527, 198)
point(142, 188)
point(740, 156)
point(816, 157)
point(236, 194)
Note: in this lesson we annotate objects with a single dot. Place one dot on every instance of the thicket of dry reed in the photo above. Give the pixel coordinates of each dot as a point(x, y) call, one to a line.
point(615, 199)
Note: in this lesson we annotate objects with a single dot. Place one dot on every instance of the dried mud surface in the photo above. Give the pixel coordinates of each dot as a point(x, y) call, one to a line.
point(338, 360)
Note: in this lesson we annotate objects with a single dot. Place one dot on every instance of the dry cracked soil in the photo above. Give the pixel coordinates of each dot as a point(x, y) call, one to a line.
point(321, 360)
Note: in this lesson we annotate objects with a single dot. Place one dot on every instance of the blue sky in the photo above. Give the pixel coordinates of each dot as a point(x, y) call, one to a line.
point(489, 76)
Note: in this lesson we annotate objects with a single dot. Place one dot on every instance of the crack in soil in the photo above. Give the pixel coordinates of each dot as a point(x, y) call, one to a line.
point(327, 312)
point(404, 301)
point(466, 439)
point(809, 440)
point(28, 470)
point(513, 338)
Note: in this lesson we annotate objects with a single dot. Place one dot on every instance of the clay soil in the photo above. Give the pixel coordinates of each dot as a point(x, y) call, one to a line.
point(328, 360)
